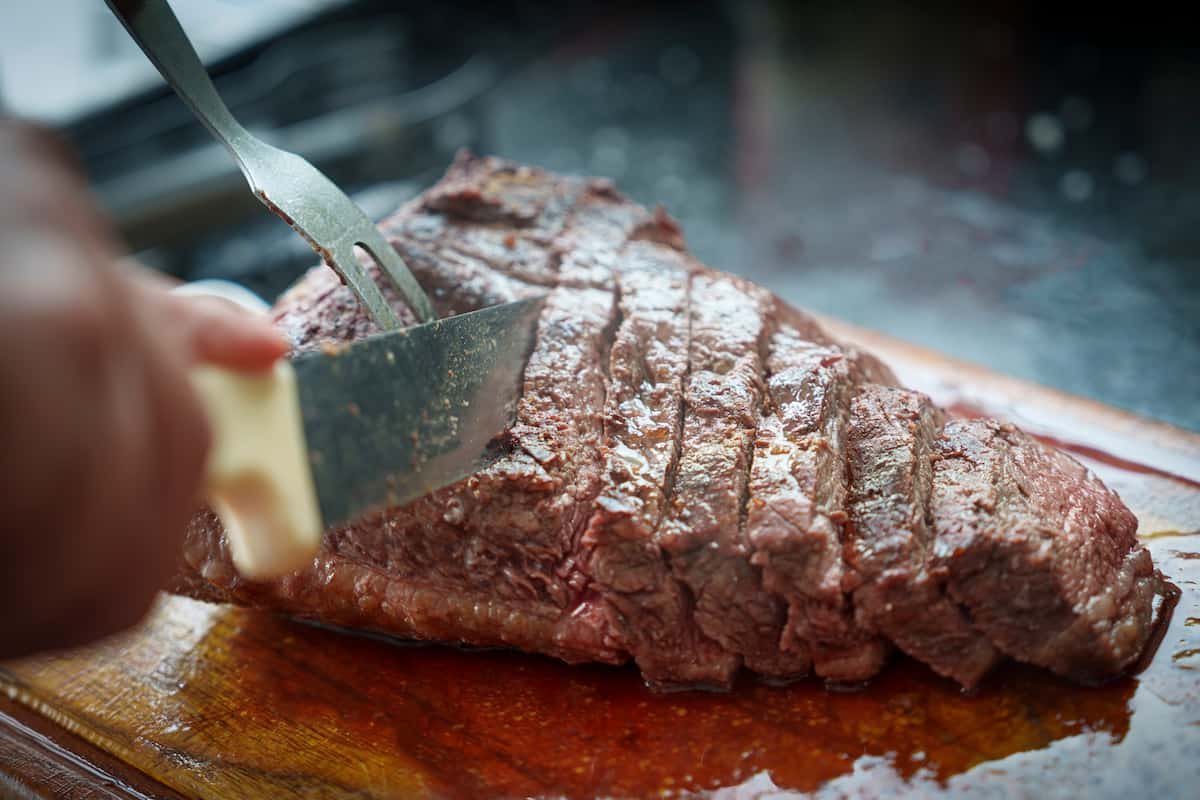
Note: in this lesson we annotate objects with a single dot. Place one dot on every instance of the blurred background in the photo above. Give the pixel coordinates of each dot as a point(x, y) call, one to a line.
point(1012, 185)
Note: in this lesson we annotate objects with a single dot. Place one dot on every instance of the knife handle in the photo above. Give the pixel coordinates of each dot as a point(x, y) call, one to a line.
point(258, 478)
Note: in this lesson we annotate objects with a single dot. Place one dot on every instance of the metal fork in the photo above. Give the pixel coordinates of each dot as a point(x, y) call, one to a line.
point(286, 184)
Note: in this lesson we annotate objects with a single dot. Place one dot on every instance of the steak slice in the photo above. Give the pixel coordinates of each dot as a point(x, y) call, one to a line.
point(1043, 556)
point(703, 534)
point(798, 507)
point(698, 520)
point(890, 538)
point(647, 607)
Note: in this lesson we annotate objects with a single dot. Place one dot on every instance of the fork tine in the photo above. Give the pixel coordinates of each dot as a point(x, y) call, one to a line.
point(366, 290)
point(393, 266)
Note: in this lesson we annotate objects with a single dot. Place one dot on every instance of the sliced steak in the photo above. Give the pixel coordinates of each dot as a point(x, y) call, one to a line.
point(717, 499)
point(798, 508)
point(890, 538)
point(1043, 556)
point(703, 534)
point(647, 607)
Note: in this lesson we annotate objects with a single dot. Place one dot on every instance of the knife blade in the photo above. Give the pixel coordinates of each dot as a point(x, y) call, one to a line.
point(338, 432)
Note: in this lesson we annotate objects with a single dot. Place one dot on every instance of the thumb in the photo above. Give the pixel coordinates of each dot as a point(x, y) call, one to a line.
point(205, 325)
point(216, 330)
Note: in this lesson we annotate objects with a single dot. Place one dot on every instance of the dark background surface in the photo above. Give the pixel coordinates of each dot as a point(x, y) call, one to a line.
point(1007, 186)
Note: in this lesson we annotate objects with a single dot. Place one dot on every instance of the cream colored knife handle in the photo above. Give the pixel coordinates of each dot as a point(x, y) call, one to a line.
point(258, 478)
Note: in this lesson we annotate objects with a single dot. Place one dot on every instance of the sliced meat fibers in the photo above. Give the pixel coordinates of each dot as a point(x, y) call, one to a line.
point(703, 536)
point(897, 590)
point(650, 611)
point(798, 506)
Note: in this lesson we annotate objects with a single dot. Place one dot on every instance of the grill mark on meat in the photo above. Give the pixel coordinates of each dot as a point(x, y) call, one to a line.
point(527, 255)
point(589, 598)
point(571, 239)
point(660, 228)
point(761, 516)
point(542, 272)
point(762, 346)
point(320, 309)
point(1054, 574)
point(706, 662)
point(721, 665)
point(889, 537)
point(495, 248)
point(481, 247)
point(784, 665)
point(702, 536)
point(647, 607)
point(586, 603)
point(796, 514)
point(864, 367)
point(488, 190)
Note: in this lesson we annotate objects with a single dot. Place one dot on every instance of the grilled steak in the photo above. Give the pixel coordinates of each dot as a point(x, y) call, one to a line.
point(648, 608)
point(704, 535)
point(1039, 553)
point(799, 506)
point(897, 592)
point(699, 479)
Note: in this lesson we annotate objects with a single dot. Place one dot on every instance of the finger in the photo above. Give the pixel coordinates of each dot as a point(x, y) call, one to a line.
point(207, 329)
point(44, 516)
point(41, 142)
point(55, 306)
point(127, 486)
point(174, 439)
point(182, 437)
point(146, 279)
point(117, 554)
point(221, 333)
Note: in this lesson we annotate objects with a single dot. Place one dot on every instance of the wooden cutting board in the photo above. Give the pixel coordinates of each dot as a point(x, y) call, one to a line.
point(214, 701)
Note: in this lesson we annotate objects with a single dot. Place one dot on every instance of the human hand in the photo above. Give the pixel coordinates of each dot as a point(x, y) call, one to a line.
point(102, 439)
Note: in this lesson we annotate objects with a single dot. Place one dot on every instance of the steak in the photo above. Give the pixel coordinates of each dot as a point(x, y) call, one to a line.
point(799, 508)
point(648, 608)
point(704, 536)
point(897, 592)
point(1042, 556)
point(700, 479)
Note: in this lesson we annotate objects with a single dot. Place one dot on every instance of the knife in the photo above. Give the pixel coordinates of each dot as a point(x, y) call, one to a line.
point(347, 429)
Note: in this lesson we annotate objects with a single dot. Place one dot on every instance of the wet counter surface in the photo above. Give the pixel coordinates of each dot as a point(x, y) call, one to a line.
point(215, 701)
